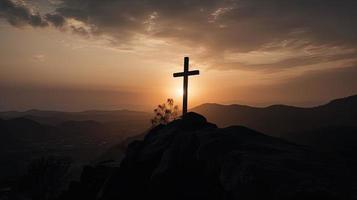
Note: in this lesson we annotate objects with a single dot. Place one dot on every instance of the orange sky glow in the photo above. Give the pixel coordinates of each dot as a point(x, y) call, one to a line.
point(85, 63)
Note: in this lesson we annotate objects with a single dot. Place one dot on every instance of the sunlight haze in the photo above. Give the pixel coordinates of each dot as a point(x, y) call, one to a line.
point(108, 61)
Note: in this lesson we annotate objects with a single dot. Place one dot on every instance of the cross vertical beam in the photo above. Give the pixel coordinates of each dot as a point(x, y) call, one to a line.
point(185, 86)
point(185, 75)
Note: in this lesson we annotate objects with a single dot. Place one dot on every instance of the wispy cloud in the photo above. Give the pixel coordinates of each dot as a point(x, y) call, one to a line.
point(260, 35)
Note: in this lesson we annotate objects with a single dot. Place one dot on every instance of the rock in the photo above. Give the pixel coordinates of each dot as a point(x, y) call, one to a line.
point(193, 159)
point(191, 121)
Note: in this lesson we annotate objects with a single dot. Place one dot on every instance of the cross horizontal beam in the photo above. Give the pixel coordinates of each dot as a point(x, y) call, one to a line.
point(189, 73)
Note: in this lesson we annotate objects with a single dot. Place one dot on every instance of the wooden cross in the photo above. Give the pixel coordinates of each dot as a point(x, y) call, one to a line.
point(185, 75)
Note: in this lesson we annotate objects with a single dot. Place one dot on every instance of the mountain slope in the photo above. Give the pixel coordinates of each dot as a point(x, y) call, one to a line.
point(193, 159)
point(22, 140)
point(280, 120)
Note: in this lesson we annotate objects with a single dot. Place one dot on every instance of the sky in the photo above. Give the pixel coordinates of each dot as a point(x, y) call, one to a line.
point(76, 55)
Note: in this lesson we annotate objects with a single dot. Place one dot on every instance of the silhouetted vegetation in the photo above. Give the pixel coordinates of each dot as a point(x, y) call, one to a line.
point(165, 113)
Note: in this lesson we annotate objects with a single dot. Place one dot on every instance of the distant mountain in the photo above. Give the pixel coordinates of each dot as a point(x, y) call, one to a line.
point(280, 120)
point(57, 117)
point(23, 139)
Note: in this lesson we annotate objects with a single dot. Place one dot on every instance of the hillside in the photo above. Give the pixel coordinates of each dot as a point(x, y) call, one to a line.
point(280, 120)
point(23, 140)
point(191, 158)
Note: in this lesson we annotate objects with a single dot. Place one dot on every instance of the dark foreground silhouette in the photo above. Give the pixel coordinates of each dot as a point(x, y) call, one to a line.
point(192, 159)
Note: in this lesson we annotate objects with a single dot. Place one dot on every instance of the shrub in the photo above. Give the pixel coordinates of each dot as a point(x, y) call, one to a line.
point(165, 113)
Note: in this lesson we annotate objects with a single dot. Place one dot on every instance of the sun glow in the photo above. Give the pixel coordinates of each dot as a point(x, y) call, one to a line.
point(179, 92)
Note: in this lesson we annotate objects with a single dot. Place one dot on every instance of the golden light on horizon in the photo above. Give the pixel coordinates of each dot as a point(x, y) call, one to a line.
point(123, 69)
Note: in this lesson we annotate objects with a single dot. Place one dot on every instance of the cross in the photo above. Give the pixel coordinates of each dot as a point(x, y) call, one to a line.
point(185, 75)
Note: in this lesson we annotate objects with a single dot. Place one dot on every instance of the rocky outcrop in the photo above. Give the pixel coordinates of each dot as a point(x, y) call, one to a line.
point(191, 158)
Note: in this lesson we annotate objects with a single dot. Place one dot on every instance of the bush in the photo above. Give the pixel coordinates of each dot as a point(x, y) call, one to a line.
point(165, 113)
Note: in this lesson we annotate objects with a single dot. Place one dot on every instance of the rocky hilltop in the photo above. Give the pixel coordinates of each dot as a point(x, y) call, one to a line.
point(191, 158)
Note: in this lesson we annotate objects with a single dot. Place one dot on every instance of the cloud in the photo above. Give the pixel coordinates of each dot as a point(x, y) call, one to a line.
point(55, 19)
point(286, 57)
point(18, 14)
point(217, 26)
point(239, 26)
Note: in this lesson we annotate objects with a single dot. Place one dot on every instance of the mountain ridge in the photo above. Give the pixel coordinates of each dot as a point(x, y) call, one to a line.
point(279, 120)
point(96, 111)
point(333, 101)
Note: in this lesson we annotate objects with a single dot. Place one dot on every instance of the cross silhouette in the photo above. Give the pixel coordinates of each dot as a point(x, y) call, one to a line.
point(185, 75)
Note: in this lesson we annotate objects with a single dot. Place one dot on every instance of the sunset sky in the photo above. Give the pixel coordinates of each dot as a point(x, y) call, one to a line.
point(77, 55)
